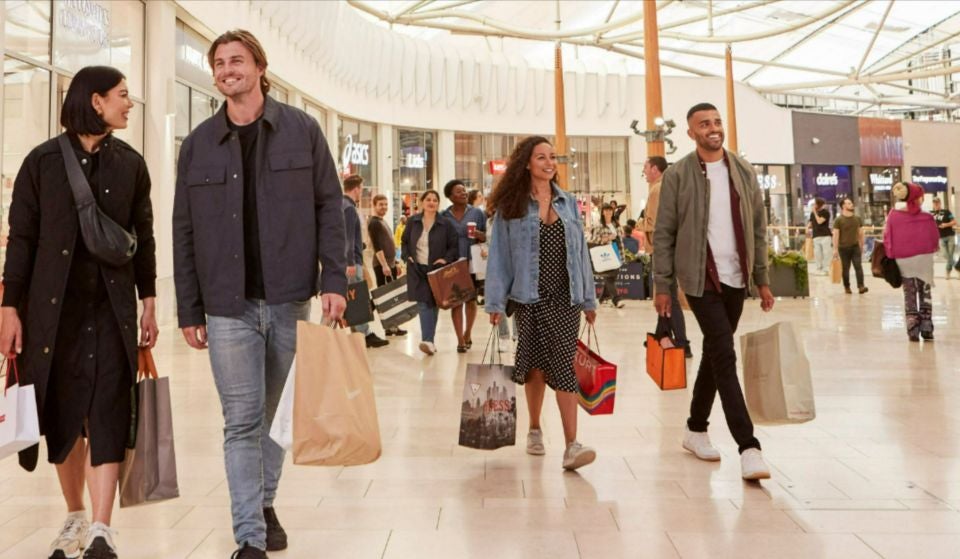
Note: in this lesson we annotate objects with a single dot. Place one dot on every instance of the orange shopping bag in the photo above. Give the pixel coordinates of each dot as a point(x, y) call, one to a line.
point(666, 361)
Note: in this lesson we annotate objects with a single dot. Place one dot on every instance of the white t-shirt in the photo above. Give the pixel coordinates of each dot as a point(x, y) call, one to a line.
point(720, 232)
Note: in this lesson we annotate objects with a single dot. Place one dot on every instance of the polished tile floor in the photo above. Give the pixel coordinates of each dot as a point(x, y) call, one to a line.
point(877, 474)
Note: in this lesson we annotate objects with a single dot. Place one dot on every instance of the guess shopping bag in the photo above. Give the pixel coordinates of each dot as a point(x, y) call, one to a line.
point(666, 361)
point(452, 285)
point(488, 411)
point(19, 425)
point(596, 376)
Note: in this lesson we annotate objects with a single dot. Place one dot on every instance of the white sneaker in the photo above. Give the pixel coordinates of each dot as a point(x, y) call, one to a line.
point(535, 443)
point(699, 444)
point(73, 534)
point(752, 465)
point(578, 456)
point(100, 541)
point(428, 348)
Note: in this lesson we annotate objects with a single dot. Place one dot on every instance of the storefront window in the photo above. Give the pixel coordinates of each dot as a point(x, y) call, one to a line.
point(90, 32)
point(27, 28)
point(598, 167)
point(880, 181)
point(278, 93)
point(358, 149)
point(777, 196)
point(318, 113)
point(26, 124)
point(468, 160)
point(193, 107)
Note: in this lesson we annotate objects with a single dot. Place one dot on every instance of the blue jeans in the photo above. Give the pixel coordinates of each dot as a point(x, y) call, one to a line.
point(428, 321)
point(948, 245)
point(358, 276)
point(251, 355)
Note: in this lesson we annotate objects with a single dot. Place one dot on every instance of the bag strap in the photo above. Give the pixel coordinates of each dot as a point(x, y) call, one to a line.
point(664, 327)
point(493, 347)
point(146, 368)
point(11, 366)
point(82, 194)
point(592, 339)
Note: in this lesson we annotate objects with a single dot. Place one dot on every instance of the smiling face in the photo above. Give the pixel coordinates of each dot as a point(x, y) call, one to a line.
point(235, 73)
point(543, 162)
point(430, 203)
point(459, 194)
point(380, 208)
point(706, 129)
point(114, 107)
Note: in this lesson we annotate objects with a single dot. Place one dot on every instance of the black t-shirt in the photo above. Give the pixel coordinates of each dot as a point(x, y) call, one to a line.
point(253, 265)
point(821, 229)
point(944, 216)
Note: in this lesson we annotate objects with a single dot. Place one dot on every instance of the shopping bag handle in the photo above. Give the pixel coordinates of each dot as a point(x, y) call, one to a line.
point(11, 365)
point(493, 347)
point(591, 336)
point(146, 368)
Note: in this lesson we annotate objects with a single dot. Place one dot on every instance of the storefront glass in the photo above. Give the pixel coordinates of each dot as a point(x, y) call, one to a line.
point(880, 181)
point(318, 113)
point(358, 149)
point(27, 28)
point(194, 99)
point(774, 181)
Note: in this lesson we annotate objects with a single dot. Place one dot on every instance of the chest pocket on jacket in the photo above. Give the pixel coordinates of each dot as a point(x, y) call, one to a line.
point(208, 189)
point(291, 175)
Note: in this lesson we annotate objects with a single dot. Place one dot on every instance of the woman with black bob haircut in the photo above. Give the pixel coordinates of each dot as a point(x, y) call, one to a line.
point(539, 262)
point(78, 340)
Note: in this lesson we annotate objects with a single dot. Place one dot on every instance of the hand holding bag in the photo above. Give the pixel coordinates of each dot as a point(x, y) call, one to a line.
point(596, 377)
point(19, 425)
point(106, 240)
point(883, 267)
point(149, 472)
point(666, 360)
point(488, 410)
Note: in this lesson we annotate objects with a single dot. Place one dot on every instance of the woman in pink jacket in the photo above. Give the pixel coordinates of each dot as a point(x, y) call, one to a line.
point(911, 238)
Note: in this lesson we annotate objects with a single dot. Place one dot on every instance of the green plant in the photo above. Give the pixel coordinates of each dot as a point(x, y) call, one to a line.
point(795, 260)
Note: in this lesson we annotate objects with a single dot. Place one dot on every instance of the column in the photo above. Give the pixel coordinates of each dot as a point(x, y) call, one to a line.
point(651, 57)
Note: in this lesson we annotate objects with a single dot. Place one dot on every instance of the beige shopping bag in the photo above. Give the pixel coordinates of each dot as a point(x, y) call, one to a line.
point(776, 376)
point(836, 272)
point(334, 412)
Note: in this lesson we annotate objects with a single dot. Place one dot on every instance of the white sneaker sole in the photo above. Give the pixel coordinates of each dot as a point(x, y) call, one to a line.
point(711, 458)
point(756, 476)
point(582, 459)
point(536, 450)
point(425, 348)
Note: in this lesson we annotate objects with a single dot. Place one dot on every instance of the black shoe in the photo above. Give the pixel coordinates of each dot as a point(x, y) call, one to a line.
point(927, 336)
point(375, 341)
point(276, 536)
point(99, 549)
point(249, 552)
point(863, 290)
point(847, 290)
point(687, 353)
point(395, 332)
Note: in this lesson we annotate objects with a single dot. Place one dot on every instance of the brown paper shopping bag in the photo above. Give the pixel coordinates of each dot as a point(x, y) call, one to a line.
point(334, 411)
point(836, 273)
point(149, 472)
point(776, 376)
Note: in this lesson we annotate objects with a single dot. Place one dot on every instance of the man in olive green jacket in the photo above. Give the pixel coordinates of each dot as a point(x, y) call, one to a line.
point(710, 237)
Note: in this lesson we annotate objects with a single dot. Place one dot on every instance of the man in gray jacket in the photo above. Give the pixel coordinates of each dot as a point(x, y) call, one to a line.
point(710, 237)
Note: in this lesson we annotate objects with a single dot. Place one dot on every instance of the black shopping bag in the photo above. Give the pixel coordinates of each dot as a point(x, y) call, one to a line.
point(392, 303)
point(358, 309)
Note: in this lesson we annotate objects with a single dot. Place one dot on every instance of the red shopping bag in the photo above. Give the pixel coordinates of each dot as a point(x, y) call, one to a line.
point(596, 376)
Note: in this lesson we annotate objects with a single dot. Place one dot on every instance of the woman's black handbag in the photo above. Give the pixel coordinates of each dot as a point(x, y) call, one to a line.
point(106, 240)
point(884, 267)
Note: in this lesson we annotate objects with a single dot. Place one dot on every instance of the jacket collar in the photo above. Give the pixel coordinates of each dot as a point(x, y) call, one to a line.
point(349, 199)
point(732, 169)
point(271, 114)
point(557, 194)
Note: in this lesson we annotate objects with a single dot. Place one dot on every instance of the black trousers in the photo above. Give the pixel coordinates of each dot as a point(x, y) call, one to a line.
point(848, 255)
point(381, 277)
point(610, 286)
point(718, 315)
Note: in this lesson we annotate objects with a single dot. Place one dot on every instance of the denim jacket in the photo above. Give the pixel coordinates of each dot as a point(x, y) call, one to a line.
point(513, 265)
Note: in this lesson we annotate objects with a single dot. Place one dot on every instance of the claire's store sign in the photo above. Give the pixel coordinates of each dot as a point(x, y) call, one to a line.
point(932, 179)
point(826, 181)
point(355, 154)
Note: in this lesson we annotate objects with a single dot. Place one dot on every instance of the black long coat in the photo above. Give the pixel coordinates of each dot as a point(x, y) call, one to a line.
point(43, 232)
point(444, 243)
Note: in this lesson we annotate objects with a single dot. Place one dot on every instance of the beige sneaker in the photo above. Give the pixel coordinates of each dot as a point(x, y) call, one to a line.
point(578, 456)
point(73, 535)
point(535, 443)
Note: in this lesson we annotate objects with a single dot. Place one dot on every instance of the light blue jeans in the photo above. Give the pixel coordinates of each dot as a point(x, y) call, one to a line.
point(365, 327)
point(429, 314)
point(948, 245)
point(251, 355)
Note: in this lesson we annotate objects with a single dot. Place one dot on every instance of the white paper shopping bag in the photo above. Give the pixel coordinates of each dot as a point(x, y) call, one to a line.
point(281, 430)
point(776, 376)
point(19, 425)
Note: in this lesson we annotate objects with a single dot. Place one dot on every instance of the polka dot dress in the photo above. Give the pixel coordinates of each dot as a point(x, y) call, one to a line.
point(547, 330)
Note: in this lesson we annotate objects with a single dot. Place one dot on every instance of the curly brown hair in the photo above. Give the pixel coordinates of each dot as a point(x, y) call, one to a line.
point(511, 197)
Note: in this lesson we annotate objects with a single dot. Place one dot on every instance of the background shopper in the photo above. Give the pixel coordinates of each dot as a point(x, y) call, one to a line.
point(848, 244)
point(606, 232)
point(948, 238)
point(384, 250)
point(471, 225)
point(352, 188)
point(822, 236)
point(247, 308)
point(84, 310)
point(716, 249)
point(910, 237)
point(430, 241)
point(535, 240)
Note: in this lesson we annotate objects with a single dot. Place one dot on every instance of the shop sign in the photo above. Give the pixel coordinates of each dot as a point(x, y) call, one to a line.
point(932, 179)
point(86, 19)
point(413, 158)
point(768, 182)
point(355, 153)
point(826, 181)
point(881, 181)
point(498, 166)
